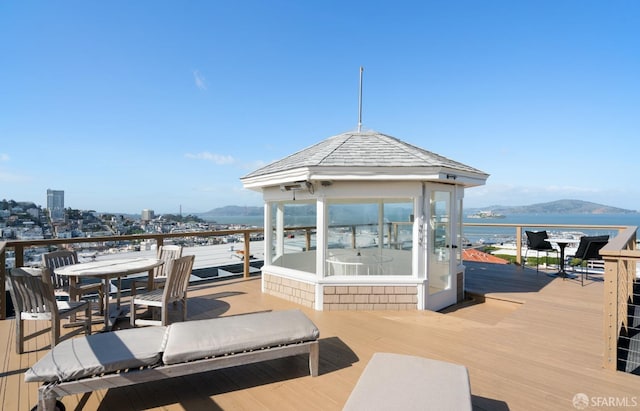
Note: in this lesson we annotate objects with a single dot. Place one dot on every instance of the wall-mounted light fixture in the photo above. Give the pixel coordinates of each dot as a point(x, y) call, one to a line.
point(297, 186)
point(451, 176)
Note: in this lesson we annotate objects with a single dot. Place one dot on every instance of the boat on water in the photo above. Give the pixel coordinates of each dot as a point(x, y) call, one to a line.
point(486, 214)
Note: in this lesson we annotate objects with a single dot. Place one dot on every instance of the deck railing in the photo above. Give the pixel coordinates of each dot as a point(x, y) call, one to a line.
point(621, 257)
point(519, 228)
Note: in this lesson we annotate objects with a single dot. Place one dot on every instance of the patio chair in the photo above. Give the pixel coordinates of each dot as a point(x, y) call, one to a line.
point(536, 242)
point(166, 253)
point(61, 283)
point(588, 250)
point(34, 298)
point(175, 290)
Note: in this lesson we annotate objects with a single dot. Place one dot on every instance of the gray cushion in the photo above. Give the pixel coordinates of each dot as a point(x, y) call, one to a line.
point(100, 353)
point(404, 382)
point(193, 340)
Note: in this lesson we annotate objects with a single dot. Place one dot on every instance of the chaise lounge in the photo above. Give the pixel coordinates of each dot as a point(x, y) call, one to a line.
point(132, 356)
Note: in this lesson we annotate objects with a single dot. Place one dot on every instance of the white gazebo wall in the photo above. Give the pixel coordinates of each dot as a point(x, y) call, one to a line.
point(303, 277)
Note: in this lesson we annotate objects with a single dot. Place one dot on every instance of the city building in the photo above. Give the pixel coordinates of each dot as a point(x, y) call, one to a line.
point(147, 215)
point(55, 205)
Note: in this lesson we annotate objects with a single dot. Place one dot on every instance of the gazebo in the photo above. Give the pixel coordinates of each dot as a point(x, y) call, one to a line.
point(364, 221)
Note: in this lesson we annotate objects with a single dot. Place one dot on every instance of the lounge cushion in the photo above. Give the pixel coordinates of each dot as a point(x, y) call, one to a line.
point(404, 382)
point(193, 340)
point(100, 353)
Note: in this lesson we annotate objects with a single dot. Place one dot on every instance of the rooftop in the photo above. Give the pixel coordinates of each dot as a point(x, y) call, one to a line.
point(529, 341)
point(362, 151)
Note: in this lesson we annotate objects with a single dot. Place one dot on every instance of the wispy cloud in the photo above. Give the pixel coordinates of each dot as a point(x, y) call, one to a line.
point(254, 165)
point(215, 158)
point(200, 80)
point(4, 157)
point(6, 177)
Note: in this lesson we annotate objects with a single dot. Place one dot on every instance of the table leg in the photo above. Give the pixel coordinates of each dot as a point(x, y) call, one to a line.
point(110, 318)
point(562, 272)
point(73, 295)
point(118, 288)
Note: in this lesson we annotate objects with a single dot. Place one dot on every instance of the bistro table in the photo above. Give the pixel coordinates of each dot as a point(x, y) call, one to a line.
point(562, 244)
point(106, 270)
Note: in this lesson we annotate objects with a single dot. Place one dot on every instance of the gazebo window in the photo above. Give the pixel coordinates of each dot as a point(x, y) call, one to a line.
point(369, 237)
point(293, 226)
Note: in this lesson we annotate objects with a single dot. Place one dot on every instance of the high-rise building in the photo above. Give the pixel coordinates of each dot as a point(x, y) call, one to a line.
point(55, 204)
point(147, 215)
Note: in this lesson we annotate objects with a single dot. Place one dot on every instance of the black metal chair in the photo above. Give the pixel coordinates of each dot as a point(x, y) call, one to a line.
point(536, 241)
point(588, 250)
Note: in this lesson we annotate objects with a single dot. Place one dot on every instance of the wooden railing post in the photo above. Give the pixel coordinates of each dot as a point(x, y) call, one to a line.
point(353, 236)
point(610, 313)
point(247, 253)
point(519, 245)
point(19, 250)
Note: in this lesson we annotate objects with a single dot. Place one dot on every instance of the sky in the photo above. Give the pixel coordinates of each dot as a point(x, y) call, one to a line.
point(165, 105)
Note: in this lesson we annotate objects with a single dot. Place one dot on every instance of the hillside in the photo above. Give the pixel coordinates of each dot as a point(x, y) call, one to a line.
point(231, 211)
point(559, 207)
point(553, 207)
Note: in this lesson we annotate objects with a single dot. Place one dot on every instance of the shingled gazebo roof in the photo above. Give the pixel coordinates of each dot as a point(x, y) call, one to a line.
point(367, 155)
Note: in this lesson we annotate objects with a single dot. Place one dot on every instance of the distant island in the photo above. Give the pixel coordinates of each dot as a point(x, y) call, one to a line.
point(232, 211)
point(485, 214)
point(555, 207)
point(495, 211)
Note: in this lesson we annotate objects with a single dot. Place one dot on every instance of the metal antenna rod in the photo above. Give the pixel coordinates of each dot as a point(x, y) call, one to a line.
point(360, 102)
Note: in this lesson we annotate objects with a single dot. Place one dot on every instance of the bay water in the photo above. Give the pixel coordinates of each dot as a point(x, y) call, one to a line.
point(494, 234)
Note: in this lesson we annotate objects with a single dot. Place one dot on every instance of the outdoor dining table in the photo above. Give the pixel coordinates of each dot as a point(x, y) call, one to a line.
point(106, 270)
point(358, 264)
point(562, 244)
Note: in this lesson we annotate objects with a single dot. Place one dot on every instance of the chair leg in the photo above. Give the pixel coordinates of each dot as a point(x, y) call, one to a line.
point(132, 314)
point(101, 303)
point(164, 313)
point(88, 321)
point(73, 296)
point(586, 272)
point(55, 332)
point(184, 309)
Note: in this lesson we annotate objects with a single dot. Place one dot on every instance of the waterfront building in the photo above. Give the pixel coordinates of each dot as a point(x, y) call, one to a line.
point(55, 205)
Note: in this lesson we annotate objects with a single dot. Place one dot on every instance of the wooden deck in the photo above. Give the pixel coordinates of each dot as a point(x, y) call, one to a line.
point(534, 343)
